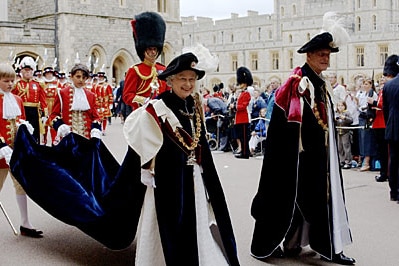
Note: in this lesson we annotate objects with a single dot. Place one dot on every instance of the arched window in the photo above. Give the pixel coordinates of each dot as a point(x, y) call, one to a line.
point(358, 24)
point(290, 38)
point(294, 10)
point(282, 11)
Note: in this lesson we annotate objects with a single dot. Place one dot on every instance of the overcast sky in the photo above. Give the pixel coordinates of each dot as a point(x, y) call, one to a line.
point(220, 9)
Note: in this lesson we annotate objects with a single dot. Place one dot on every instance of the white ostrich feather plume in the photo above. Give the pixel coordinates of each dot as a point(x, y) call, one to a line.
point(336, 26)
point(206, 61)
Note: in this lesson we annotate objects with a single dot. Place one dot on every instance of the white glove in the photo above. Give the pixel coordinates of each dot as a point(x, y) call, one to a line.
point(95, 133)
point(44, 120)
point(6, 153)
point(63, 130)
point(147, 178)
point(27, 124)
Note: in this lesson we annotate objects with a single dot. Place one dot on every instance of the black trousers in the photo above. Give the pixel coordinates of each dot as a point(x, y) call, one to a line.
point(32, 116)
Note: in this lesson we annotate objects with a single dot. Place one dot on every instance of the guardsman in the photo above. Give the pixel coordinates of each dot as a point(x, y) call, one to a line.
point(33, 96)
point(142, 83)
point(62, 80)
point(105, 97)
point(50, 89)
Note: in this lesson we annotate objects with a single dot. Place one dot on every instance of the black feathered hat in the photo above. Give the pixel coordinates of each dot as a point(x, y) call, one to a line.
point(321, 41)
point(187, 61)
point(244, 76)
point(391, 67)
point(148, 31)
point(48, 70)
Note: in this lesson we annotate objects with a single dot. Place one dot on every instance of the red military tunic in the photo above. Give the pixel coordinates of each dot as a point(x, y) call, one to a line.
point(242, 114)
point(34, 99)
point(138, 81)
point(8, 127)
point(50, 89)
point(32, 94)
point(95, 88)
point(104, 92)
point(80, 121)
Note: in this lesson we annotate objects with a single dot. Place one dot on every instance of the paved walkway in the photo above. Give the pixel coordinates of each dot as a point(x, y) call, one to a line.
point(373, 218)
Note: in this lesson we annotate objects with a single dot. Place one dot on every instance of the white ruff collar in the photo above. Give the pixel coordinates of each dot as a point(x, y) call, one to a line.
point(10, 106)
point(79, 102)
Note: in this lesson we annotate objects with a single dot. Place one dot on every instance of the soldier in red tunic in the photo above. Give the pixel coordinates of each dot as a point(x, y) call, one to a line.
point(105, 98)
point(51, 90)
point(75, 109)
point(11, 114)
point(141, 83)
point(33, 96)
point(62, 80)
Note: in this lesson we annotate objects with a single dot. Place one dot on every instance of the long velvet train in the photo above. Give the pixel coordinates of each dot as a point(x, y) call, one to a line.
point(80, 183)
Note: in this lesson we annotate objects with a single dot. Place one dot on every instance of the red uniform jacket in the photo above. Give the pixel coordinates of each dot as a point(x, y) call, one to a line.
point(138, 84)
point(379, 121)
point(80, 121)
point(50, 90)
point(8, 127)
point(242, 115)
point(105, 98)
point(32, 94)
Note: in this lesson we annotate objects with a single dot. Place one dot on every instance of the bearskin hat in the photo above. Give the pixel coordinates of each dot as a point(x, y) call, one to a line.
point(391, 67)
point(244, 76)
point(148, 31)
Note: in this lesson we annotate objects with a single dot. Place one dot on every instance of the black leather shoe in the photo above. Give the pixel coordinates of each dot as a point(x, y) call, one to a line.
point(340, 258)
point(292, 252)
point(381, 178)
point(240, 156)
point(30, 232)
point(278, 253)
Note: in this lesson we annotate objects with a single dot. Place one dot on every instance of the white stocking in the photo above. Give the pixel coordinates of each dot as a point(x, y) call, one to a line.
point(23, 210)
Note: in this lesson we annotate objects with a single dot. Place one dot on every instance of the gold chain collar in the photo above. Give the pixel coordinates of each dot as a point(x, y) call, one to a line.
point(197, 133)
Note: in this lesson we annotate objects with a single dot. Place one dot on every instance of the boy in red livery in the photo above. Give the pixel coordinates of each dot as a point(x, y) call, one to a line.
point(12, 114)
point(75, 108)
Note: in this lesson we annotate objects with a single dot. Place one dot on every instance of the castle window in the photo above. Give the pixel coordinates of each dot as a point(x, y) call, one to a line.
point(358, 24)
point(360, 56)
point(275, 61)
point(291, 59)
point(234, 63)
point(254, 61)
point(162, 6)
point(383, 54)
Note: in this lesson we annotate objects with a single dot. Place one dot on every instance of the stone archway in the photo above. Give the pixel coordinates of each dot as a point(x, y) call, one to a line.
point(39, 61)
point(120, 64)
point(97, 59)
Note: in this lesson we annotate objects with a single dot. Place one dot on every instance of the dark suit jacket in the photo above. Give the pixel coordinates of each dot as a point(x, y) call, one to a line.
point(390, 108)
